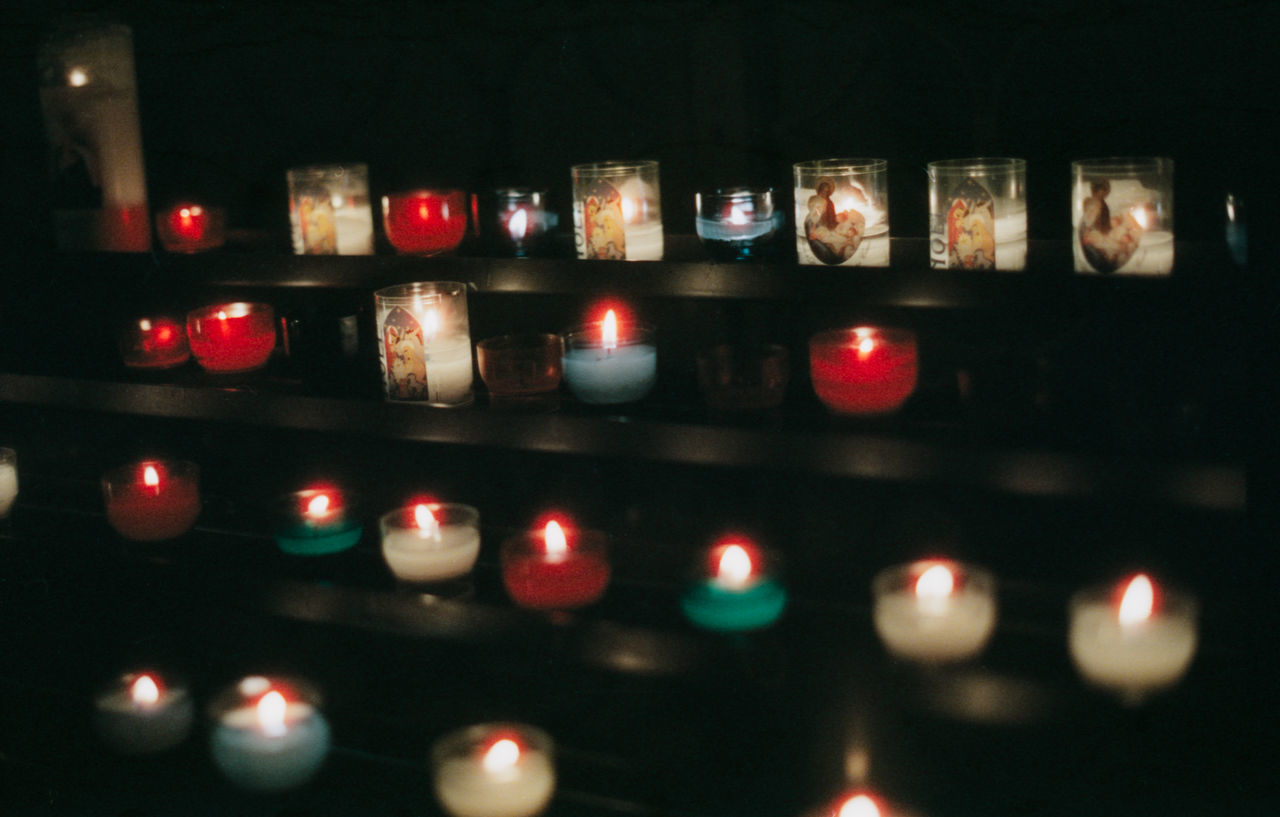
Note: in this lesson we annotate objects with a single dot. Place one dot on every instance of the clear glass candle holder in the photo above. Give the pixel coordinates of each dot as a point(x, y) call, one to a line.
point(189, 227)
point(739, 223)
point(617, 211)
point(522, 222)
point(8, 481)
point(864, 370)
point(233, 337)
point(934, 611)
point(1122, 215)
point(424, 343)
point(842, 212)
point(425, 222)
point(152, 500)
point(153, 342)
point(978, 214)
point(329, 210)
point(432, 546)
point(494, 770)
point(600, 371)
point(736, 377)
point(268, 734)
point(520, 365)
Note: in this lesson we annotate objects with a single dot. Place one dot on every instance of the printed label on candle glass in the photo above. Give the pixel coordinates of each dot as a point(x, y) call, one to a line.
point(604, 227)
point(319, 229)
point(1106, 241)
point(834, 235)
point(971, 227)
point(406, 356)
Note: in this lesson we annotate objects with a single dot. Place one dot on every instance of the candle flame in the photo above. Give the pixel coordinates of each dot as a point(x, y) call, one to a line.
point(517, 224)
point(222, 314)
point(185, 213)
point(1138, 601)
point(271, 709)
point(609, 330)
point(864, 341)
point(629, 210)
point(737, 215)
point(935, 583)
point(860, 805)
point(553, 536)
point(150, 477)
point(503, 754)
point(431, 323)
point(77, 78)
point(1140, 216)
point(734, 567)
point(144, 691)
point(426, 520)
point(318, 506)
point(144, 325)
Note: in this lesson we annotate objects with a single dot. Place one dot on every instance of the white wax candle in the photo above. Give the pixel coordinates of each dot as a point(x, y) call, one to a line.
point(937, 624)
point(419, 555)
point(607, 376)
point(479, 786)
point(354, 223)
point(8, 487)
point(140, 714)
point(644, 241)
point(449, 369)
point(270, 755)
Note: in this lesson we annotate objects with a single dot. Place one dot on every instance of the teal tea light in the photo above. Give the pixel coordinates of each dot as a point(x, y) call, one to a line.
point(737, 592)
point(317, 522)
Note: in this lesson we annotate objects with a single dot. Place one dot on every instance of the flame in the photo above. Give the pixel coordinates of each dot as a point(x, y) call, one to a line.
point(737, 215)
point(517, 224)
point(865, 341)
point(164, 334)
point(553, 537)
point(150, 477)
point(423, 211)
point(609, 330)
point(426, 520)
point(144, 691)
point(185, 214)
point(860, 805)
point(734, 567)
point(1140, 216)
point(503, 754)
point(144, 325)
point(1138, 600)
point(77, 78)
point(271, 709)
point(629, 210)
point(238, 310)
point(935, 583)
point(222, 314)
point(431, 322)
point(318, 506)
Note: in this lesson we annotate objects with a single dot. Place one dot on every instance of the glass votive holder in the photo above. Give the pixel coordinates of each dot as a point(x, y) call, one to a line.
point(432, 546)
point(522, 223)
point(610, 363)
point(978, 214)
point(1132, 638)
point(494, 770)
point(425, 222)
point(556, 566)
point(317, 521)
point(617, 211)
point(143, 713)
point(933, 611)
point(1237, 229)
point(1122, 215)
point(153, 342)
point(268, 734)
point(736, 377)
point(739, 223)
point(232, 338)
point(865, 370)
point(329, 210)
point(188, 227)
point(521, 365)
point(152, 500)
point(424, 343)
point(735, 589)
point(842, 212)
point(8, 481)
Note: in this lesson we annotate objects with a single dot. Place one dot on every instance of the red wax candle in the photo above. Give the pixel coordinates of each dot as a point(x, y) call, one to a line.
point(154, 343)
point(425, 222)
point(152, 500)
point(123, 229)
point(236, 337)
point(865, 370)
point(555, 568)
point(190, 227)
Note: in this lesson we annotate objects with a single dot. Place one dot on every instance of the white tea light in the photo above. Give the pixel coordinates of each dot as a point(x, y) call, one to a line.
point(139, 714)
point(268, 736)
point(431, 542)
point(933, 611)
point(494, 770)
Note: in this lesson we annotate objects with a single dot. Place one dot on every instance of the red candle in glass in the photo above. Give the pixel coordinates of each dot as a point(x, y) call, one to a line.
point(190, 227)
point(425, 222)
point(555, 568)
point(154, 343)
point(235, 337)
point(152, 500)
point(866, 370)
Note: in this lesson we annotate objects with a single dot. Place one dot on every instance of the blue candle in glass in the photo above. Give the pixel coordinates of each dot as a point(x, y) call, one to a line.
point(317, 522)
point(738, 223)
point(606, 364)
point(738, 595)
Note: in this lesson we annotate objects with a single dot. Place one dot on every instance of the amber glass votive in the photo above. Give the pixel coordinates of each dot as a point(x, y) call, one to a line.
point(521, 365)
point(736, 377)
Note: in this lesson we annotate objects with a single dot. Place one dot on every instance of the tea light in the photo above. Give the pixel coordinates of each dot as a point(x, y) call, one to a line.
point(152, 500)
point(268, 735)
point(316, 522)
point(522, 220)
point(139, 714)
point(866, 370)
point(556, 567)
point(189, 227)
point(425, 222)
point(8, 480)
point(494, 770)
point(158, 342)
point(431, 542)
point(738, 223)
point(737, 593)
point(1132, 638)
point(234, 337)
point(934, 612)
point(605, 364)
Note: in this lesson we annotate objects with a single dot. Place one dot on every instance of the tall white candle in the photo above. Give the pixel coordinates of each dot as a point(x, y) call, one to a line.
point(265, 739)
point(934, 612)
point(494, 770)
point(8, 480)
point(431, 542)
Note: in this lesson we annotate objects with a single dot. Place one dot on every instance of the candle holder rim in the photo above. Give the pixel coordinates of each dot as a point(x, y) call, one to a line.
point(639, 333)
point(253, 307)
point(125, 470)
point(415, 288)
point(735, 192)
point(612, 167)
point(1114, 164)
point(172, 683)
point(325, 170)
point(8, 455)
point(858, 164)
point(402, 518)
point(998, 163)
point(466, 739)
point(902, 576)
point(838, 336)
point(591, 540)
point(767, 562)
point(519, 340)
point(519, 192)
point(423, 191)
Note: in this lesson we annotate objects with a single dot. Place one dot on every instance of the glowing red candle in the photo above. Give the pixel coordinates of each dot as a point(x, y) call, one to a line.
point(425, 222)
point(154, 343)
point(236, 337)
point(555, 568)
point(865, 370)
point(191, 227)
point(152, 500)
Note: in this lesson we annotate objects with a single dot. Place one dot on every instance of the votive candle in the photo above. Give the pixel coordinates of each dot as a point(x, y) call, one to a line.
point(268, 734)
point(233, 337)
point(556, 566)
point(431, 542)
point(317, 521)
point(152, 500)
point(865, 370)
point(607, 363)
point(934, 611)
point(736, 590)
point(494, 770)
point(141, 713)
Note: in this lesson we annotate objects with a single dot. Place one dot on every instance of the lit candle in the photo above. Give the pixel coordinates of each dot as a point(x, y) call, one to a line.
point(267, 736)
point(317, 521)
point(934, 612)
point(189, 227)
point(139, 714)
point(231, 338)
point(738, 223)
point(8, 480)
point(856, 804)
point(842, 212)
point(429, 543)
point(425, 343)
point(494, 770)
point(556, 567)
point(865, 370)
point(738, 593)
point(1133, 638)
point(617, 211)
point(425, 222)
point(606, 364)
point(157, 342)
point(152, 500)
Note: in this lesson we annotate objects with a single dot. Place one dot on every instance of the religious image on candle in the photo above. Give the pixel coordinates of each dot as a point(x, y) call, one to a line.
point(978, 214)
point(617, 211)
point(842, 212)
point(425, 343)
point(603, 224)
point(329, 210)
point(1123, 216)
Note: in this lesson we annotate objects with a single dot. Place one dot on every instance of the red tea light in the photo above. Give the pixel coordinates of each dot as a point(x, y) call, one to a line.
point(190, 227)
point(152, 500)
point(154, 343)
point(425, 222)
point(235, 337)
point(555, 568)
point(866, 370)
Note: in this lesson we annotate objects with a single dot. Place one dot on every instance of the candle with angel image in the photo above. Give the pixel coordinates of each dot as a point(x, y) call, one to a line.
point(617, 211)
point(424, 343)
point(1122, 210)
point(978, 214)
point(842, 212)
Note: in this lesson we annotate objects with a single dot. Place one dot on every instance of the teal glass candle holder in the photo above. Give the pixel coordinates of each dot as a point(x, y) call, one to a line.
point(317, 522)
point(735, 591)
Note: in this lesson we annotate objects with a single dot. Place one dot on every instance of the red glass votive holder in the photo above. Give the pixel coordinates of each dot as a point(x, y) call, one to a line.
point(234, 337)
point(522, 365)
point(743, 377)
point(152, 500)
point(560, 569)
point(190, 227)
point(425, 222)
point(158, 342)
point(865, 370)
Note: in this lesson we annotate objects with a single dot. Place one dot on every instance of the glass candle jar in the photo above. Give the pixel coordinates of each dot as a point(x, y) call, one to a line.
point(329, 210)
point(978, 214)
point(556, 567)
point(934, 611)
point(153, 342)
point(736, 377)
point(522, 221)
point(842, 212)
point(738, 223)
point(617, 211)
point(425, 222)
point(494, 770)
point(865, 370)
point(268, 734)
point(188, 227)
point(152, 500)
point(431, 546)
point(1122, 215)
point(608, 363)
point(232, 338)
point(424, 343)
point(8, 480)
point(522, 365)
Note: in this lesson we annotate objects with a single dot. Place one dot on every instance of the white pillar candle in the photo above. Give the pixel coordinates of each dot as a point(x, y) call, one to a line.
point(8, 480)
point(431, 542)
point(934, 612)
point(449, 370)
point(494, 770)
point(265, 737)
point(140, 714)
point(1141, 643)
